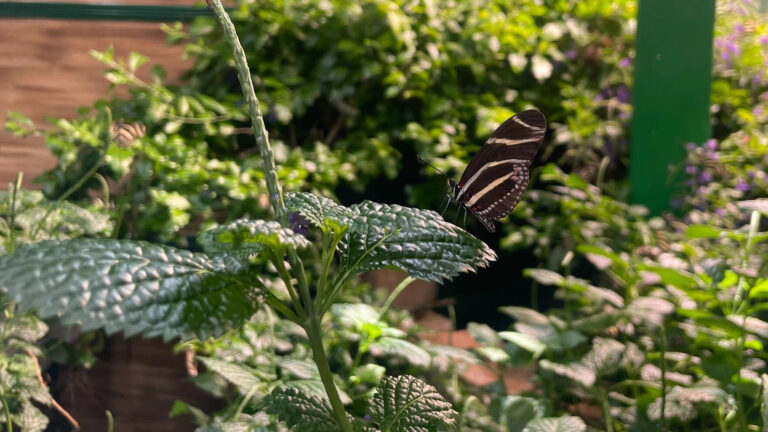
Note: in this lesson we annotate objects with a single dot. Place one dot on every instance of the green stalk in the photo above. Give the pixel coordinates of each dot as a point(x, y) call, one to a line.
point(12, 218)
point(393, 295)
point(318, 354)
point(8, 418)
point(312, 323)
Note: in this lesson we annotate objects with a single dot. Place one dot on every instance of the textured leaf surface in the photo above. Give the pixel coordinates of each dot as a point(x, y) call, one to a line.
point(251, 237)
point(406, 404)
point(556, 424)
point(128, 286)
point(418, 242)
point(302, 412)
point(575, 371)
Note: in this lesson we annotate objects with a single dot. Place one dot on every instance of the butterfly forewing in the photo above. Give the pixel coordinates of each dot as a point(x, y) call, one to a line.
point(497, 176)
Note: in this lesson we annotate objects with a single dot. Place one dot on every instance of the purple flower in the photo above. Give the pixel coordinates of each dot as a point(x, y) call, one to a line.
point(764, 39)
point(711, 144)
point(571, 54)
point(720, 211)
point(299, 224)
point(690, 147)
point(625, 62)
point(622, 94)
point(758, 111)
point(675, 203)
point(705, 177)
point(732, 48)
point(742, 186)
point(750, 174)
point(738, 28)
point(691, 169)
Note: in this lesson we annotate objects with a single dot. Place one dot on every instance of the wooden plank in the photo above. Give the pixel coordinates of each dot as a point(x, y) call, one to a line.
point(48, 71)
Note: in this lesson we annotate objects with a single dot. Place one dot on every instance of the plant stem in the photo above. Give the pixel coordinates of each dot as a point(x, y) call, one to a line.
point(254, 109)
point(110, 421)
point(8, 418)
point(318, 354)
point(393, 295)
point(12, 218)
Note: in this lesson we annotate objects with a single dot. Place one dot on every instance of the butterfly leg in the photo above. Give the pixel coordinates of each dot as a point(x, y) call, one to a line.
point(447, 202)
point(465, 218)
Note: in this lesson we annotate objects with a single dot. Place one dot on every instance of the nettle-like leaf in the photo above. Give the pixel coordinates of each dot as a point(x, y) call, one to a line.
point(418, 242)
point(406, 404)
point(251, 237)
point(605, 356)
point(129, 286)
point(302, 412)
point(409, 351)
point(556, 424)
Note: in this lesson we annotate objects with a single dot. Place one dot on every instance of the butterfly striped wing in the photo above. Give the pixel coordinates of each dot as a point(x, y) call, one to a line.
point(497, 176)
point(126, 133)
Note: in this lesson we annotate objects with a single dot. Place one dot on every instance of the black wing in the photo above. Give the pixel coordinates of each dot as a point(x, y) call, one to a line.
point(497, 176)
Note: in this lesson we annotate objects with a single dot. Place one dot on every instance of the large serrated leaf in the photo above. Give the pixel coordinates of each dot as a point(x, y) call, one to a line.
point(418, 242)
point(250, 237)
point(302, 412)
point(556, 424)
point(516, 412)
point(129, 286)
point(406, 404)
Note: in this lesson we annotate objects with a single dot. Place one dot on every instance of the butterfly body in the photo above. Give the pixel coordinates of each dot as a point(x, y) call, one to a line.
point(495, 179)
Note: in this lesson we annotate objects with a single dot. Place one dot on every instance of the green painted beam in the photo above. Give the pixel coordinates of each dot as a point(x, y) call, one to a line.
point(82, 11)
point(671, 95)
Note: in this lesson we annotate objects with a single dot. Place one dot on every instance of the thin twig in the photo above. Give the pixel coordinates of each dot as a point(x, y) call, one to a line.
point(59, 408)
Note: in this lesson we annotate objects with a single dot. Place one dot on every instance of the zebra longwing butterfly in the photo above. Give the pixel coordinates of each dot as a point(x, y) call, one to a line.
point(126, 133)
point(495, 179)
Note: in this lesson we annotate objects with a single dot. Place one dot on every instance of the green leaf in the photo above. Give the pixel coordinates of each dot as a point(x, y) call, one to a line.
point(557, 424)
point(415, 355)
point(676, 278)
point(418, 242)
point(605, 356)
point(250, 237)
point(524, 341)
point(515, 412)
point(575, 371)
point(129, 286)
point(238, 375)
point(702, 231)
point(302, 412)
point(545, 277)
point(406, 404)
point(526, 315)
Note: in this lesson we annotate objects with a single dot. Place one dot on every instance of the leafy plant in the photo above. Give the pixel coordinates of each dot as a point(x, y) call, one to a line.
point(136, 287)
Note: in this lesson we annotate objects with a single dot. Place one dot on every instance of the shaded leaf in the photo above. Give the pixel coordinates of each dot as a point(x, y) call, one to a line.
point(515, 412)
point(575, 371)
point(524, 341)
point(415, 355)
point(239, 375)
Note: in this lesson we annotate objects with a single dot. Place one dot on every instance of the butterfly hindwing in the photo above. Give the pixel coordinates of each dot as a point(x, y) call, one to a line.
point(496, 178)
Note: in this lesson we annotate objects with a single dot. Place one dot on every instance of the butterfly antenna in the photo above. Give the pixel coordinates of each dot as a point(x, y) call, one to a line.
point(465, 218)
point(420, 159)
point(447, 202)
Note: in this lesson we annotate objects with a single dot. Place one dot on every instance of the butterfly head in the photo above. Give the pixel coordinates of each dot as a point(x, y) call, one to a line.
point(453, 188)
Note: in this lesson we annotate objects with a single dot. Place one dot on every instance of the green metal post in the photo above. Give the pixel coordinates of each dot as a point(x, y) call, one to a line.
point(671, 96)
point(82, 11)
